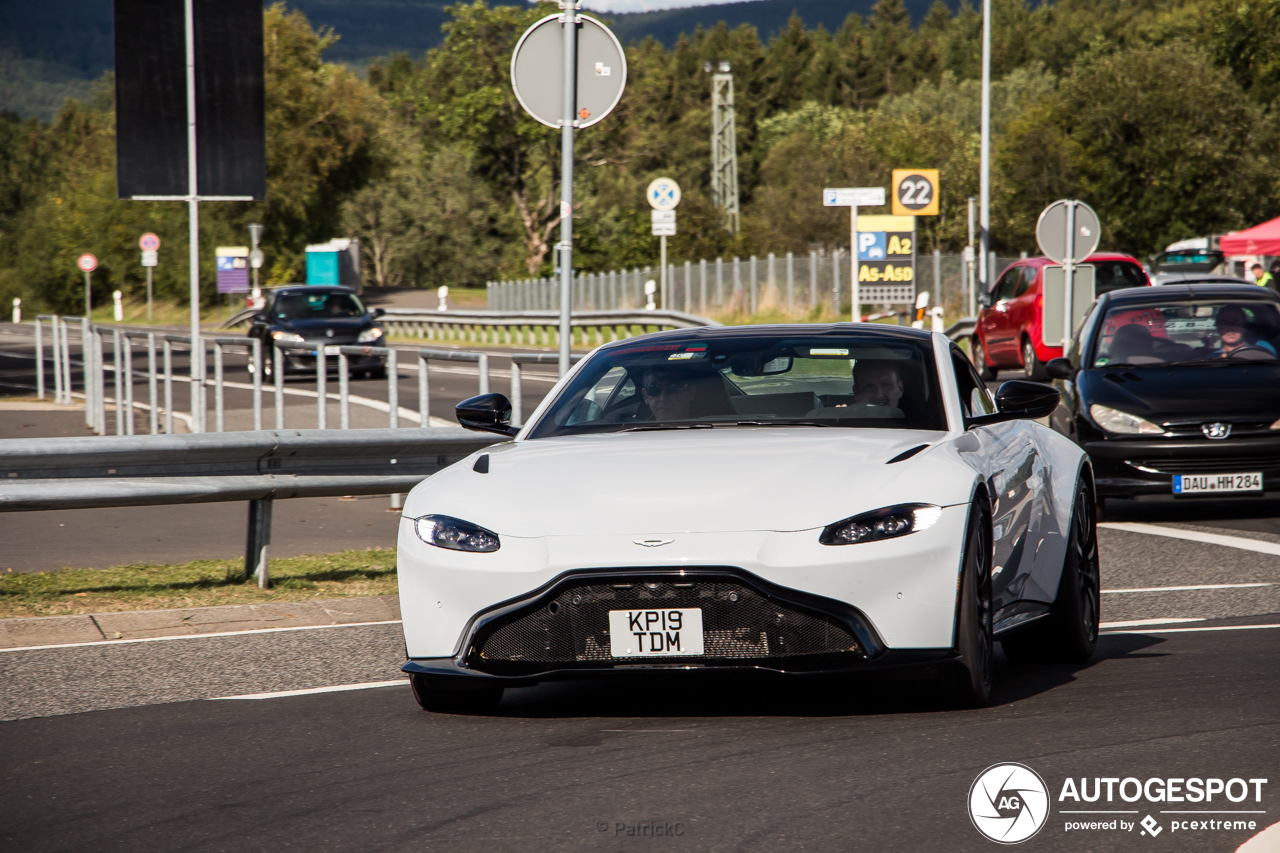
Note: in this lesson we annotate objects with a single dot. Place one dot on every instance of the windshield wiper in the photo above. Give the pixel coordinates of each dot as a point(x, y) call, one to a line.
point(781, 422)
point(661, 426)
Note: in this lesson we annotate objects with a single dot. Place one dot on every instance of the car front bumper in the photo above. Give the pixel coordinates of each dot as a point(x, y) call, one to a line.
point(1144, 468)
point(304, 361)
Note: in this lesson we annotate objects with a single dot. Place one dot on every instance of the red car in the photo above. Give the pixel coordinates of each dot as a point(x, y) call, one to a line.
point(1008, 332)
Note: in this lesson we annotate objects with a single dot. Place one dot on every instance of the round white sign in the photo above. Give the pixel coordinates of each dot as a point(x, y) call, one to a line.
point(537, 71)
point(87, 262)
point(1008, 803)
point(663, 194)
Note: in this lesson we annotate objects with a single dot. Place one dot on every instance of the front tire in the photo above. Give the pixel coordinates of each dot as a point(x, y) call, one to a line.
point(1032, 367)
point(967, 682)
point(1069, 634)
point(432, 697)
point(985, 370)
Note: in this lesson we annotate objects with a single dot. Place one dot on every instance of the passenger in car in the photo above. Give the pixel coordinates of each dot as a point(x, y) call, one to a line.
point(876, 382)
point(1233, 327)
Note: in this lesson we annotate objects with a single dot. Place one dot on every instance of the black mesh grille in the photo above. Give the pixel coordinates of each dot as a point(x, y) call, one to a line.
point(738, 623)
point(1209, 465)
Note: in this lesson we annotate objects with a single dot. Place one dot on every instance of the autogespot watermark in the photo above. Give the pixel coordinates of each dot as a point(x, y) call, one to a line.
point(1009, 803)
point(641, 828)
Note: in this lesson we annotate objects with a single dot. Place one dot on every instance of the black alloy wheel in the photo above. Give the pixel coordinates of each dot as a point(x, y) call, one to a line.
point(443, 701)
point(1069, 634)
point(985, 370)
point(968, 680)
point(1032, 367)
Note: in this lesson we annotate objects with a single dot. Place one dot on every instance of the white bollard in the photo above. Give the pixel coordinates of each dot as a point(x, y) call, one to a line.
point(936, 313)
point(117, 306)
point(17, 310)
point(922, 302)
point(443, 293)
point(650, 288)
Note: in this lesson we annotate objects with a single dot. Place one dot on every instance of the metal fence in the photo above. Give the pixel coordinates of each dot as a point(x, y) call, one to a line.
point(110, 378)
point(790, 283)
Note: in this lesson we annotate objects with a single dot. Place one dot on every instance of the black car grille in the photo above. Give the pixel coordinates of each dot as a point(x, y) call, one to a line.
point(1208, 464)
point(739, 624)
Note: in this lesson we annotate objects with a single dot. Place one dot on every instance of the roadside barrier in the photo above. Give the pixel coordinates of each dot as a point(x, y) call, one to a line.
point(255, 466)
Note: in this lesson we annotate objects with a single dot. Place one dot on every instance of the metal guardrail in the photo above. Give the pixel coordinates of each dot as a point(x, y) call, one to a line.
point(961, 328)
point(258, 466)
point(521, 328)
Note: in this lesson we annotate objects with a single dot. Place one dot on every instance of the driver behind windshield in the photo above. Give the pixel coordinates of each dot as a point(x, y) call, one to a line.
point(668, 394)
point(1232, 324)
point(876, 383)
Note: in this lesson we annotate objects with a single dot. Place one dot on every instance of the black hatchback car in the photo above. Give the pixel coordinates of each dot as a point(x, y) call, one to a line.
point(320, 316)
point(1174, 392)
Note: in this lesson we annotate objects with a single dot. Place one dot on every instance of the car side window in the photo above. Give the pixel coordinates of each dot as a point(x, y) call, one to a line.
point(1025, 281)
point(975, 399)
point(1005, 287)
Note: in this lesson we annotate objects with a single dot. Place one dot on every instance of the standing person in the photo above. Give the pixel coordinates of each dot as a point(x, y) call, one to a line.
point(1262, 278)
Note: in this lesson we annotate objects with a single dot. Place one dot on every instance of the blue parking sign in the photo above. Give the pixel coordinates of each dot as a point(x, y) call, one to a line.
point(871, 245)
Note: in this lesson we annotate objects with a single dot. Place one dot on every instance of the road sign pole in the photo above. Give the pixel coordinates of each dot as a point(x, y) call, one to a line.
point(853, 261)
point(984, 168)
point(570, 25)
point(193, 224)
point(662, 264)
point(87, 287)
point(1068, 275)
point(148, 295)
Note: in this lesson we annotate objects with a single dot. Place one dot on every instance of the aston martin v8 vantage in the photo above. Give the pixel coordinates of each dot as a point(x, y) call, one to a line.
point(784, 500)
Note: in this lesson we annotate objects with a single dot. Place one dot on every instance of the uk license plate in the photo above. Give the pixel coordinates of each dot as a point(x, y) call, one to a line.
point(1194, 484)
point(655, 633)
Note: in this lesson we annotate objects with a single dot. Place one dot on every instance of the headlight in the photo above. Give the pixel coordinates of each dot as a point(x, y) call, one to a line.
point(454, 534)
point(1276, 425)
point(1122, 423)
point(287, 337)
point(888, 523)
point(369, 335)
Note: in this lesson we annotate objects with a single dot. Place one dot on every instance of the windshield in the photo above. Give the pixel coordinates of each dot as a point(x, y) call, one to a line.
point(317, 306)
point(1188, 260)
point(1116, 275)
point(1184, 332)
point(827, 381)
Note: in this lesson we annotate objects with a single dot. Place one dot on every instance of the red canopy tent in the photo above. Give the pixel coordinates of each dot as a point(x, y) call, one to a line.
point(1261, 239)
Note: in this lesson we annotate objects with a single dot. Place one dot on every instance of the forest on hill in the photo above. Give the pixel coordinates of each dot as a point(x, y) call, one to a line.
point(1162, 114)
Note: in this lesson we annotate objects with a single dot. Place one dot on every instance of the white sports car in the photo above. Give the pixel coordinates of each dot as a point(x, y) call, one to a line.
point(777, 499)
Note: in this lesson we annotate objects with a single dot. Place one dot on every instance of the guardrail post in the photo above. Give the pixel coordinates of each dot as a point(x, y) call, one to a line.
point(115, 345)
point(278, 376)
point(484, 371)
point(393, 390)
point(66, 364)
point(424, 392)
point(168, 387)
point(100, 382)
point(39, 359)
point(85, 362)
point(255, 347)
point(57, 361)
point(128, 383)
point(322, 386)
point(517, 394)
point(258, 547)
point(344, 390)
point(151, 383)
point(219, 402)
point(196, 395)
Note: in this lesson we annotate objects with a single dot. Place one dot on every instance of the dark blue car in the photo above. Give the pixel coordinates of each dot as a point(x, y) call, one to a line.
point(321, 316)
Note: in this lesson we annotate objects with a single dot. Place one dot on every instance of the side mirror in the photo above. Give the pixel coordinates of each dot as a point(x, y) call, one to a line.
point(1059, 368)
point(1018, 399)
point(486, 413)
point(377, 312)
point(985, 300)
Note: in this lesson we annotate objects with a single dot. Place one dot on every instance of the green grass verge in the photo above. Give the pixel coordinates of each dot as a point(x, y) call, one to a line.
point(201, 583)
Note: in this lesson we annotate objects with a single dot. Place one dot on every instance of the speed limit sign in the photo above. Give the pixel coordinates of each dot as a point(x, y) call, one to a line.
point(915, 192)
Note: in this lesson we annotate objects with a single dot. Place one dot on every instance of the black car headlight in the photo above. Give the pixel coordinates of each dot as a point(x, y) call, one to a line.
point(888, 523)
point(444, 531)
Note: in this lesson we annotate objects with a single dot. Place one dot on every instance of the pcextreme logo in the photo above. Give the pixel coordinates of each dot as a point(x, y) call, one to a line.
point(1008, 803)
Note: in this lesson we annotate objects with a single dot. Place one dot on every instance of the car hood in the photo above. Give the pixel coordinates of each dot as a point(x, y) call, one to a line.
point(722, 480)
point(1188, 392)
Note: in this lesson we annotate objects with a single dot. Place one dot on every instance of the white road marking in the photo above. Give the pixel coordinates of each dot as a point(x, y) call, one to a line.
point(1135, 622)
point(1240, 542)
point(1193, 630)
point(1185, 588)
point(339, 688)
point(200, 636)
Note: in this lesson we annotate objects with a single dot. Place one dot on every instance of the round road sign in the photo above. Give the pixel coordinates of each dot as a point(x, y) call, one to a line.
point(537, 71)
point(915, 192)
point(87, 262)
point(663, 194)
point(1051, 232)
point(149, 242)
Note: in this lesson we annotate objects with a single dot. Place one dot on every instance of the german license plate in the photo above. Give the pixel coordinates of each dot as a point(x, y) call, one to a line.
point(331, 349)
point(1194, 484)
point(655, 633)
